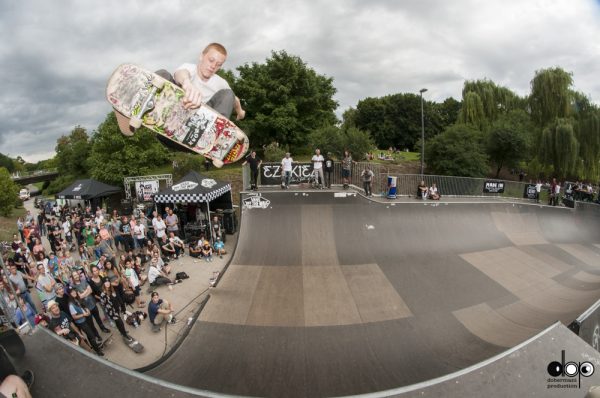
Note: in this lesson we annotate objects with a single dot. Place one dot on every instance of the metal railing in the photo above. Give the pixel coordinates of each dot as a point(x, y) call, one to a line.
point(406, 183)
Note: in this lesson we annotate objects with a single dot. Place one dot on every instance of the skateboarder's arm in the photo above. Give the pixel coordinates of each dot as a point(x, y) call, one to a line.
point(193, 97)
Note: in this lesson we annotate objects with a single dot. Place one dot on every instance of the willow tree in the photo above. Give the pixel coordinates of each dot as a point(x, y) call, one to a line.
point(472, 112)
point(495, 100)
point(588, 136)
point(560, 148)
point(550, 95)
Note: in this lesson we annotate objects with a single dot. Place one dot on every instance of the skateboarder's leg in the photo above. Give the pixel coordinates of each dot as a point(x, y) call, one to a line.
point(165, 75)
point(222, 101)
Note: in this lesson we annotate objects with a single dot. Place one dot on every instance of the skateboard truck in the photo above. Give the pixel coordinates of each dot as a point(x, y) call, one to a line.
point(148, 104)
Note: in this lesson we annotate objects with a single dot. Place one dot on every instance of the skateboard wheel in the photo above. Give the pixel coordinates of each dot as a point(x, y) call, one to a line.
point(217, 163)
point(135, 123)
point(158, 82)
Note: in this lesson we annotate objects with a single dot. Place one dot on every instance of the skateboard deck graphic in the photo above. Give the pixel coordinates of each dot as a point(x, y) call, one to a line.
point(156, 103)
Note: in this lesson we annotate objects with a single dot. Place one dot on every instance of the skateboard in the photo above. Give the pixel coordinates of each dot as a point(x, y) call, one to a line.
point(135, 345)
point(213, 281)
point(106, 341)
point(148, 99)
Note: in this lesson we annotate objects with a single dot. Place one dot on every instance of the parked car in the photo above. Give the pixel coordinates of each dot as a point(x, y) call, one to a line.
point(24, 194)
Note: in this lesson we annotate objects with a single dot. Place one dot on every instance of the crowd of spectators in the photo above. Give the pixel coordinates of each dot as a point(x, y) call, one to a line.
point(94, 270)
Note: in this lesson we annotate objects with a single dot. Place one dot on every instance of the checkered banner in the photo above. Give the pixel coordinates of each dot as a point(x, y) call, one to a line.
point(191, 197)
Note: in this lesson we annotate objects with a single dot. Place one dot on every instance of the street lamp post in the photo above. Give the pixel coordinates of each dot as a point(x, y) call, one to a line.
point(421, 91)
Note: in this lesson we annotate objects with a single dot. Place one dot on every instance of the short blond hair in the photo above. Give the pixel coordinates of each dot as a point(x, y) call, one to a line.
point(215, 46)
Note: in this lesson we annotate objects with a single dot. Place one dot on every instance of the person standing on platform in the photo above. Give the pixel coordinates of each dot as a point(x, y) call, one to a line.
point(286, 171)
point(328, 169)
point(367, 178)
point(318, 160)
point(347, 168)
point(254, 162)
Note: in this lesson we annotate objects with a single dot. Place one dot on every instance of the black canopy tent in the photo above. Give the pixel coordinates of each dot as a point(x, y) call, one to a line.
point(195, 188)
point(89, 190)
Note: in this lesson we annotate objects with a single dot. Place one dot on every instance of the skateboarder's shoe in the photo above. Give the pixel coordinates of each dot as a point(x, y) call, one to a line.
point(28, 378)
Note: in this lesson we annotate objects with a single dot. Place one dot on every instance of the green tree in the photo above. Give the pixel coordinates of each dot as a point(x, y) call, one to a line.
point(8, 194)
point(458, 151)
point(484, 102)
point(328, 139)
point(114, 156)
point(7, 163)
point(395, 120)
point(358, 142)
point(284, 100)
point(274, 152)
point(72, 152)
point(509, 139)
point(550, 96)
point(560, 147)
point(588, 136)
point(186, 162)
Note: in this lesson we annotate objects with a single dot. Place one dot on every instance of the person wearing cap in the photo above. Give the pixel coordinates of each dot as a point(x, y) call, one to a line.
point(219, 247)
point(159, 311)
point(286, 171)
point(61, 324)
point(44, 285)
point(207, 251)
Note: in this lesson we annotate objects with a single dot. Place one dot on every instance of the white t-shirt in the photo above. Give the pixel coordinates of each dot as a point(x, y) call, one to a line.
point(139, 231)
point(160, 227)
point(153, 273)
point(286, 163)
point(207, 88)
point(318, 161)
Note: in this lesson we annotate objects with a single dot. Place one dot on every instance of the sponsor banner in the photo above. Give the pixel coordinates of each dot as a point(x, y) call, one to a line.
point(145, 190)
point(493, 187)
point(530, 192)
point(271, 173)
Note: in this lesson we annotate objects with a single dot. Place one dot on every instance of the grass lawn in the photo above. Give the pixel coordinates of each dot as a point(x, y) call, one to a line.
point(8, 225)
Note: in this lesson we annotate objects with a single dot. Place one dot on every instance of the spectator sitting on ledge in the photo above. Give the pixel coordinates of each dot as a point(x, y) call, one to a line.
point(433, 192)
point(422, 190)
point(207, 251)
point(219, 247)
point(159, 311)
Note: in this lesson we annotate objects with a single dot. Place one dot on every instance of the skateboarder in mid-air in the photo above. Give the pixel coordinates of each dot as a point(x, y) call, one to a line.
point(202, 85)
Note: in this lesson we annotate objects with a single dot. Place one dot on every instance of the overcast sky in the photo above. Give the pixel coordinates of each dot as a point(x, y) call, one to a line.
point(56, 56)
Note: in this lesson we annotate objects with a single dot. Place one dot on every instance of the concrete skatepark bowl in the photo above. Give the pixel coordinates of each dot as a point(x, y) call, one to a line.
point(331, 294)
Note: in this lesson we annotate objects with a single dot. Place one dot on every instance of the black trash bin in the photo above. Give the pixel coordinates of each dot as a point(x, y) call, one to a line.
point(229, 221)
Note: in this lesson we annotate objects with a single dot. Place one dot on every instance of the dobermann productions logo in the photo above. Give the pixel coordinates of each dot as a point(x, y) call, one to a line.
point(568, 374)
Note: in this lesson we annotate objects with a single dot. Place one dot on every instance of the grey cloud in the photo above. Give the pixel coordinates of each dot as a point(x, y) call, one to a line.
point(58, 55)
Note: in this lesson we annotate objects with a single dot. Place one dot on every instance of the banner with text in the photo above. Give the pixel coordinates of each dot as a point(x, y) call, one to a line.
point(145, 190)
point(271, 173)
point(493, 187)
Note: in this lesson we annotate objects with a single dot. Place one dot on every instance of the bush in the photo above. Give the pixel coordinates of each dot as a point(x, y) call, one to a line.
point(274, 152)
point(184, 162)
